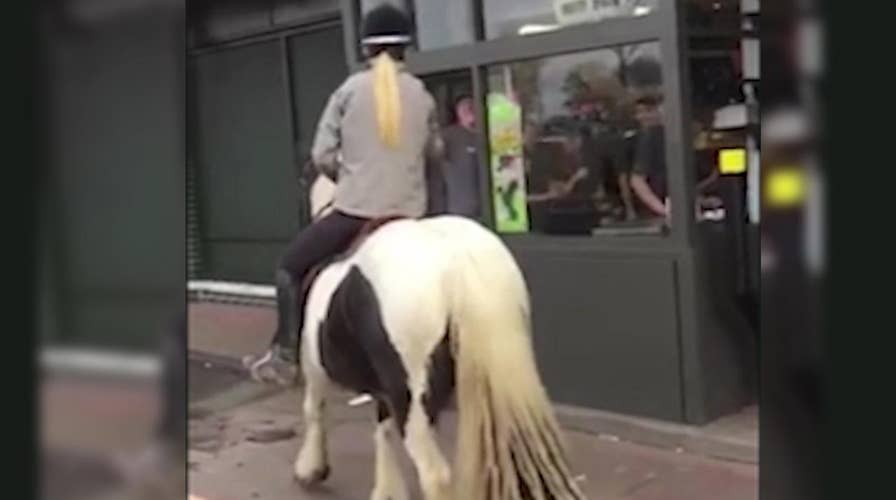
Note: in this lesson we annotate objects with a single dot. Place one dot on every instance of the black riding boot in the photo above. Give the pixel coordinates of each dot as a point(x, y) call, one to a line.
point(279, 363)
point(288, 316)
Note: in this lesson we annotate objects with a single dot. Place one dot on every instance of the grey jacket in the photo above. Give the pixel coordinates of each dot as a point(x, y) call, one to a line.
point(374, 180)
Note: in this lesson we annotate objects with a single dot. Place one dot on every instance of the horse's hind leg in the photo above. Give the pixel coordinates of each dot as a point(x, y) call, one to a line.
point(311, 466)
point(420, 441)
point(389, 485)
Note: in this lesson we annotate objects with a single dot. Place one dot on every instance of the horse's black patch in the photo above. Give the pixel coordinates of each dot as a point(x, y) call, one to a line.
point(355, 349)
point(440, 380)
point(382, 411)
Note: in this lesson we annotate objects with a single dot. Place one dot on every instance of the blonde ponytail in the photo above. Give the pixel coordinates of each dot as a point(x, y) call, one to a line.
point(387, 99)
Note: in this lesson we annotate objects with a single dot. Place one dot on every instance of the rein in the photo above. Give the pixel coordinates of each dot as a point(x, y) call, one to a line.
point(306, 171)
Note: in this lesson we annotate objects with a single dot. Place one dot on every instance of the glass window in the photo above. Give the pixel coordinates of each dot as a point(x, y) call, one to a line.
point(527, 17)
point(720, 103)
point(463, 169)
point(368, 5)
point(577, 144)
point(438, 23)
point(443, 23)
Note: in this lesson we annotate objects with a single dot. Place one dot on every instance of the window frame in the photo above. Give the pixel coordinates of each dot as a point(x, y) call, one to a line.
point(664, 25)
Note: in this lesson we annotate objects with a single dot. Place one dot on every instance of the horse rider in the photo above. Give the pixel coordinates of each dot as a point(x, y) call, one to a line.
point(382, 127)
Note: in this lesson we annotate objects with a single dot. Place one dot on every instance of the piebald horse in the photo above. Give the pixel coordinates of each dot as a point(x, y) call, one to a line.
point(419, 309)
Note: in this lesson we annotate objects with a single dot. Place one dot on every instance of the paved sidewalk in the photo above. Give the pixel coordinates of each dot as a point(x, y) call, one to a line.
point(228, 331)
point(226, 464)
point(223, 333)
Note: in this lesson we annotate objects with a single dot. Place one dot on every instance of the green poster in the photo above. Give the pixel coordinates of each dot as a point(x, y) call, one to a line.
point(507, 169)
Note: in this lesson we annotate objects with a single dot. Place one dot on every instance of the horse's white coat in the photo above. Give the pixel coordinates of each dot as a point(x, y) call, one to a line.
point(388, 483)
point(424, 272)
point(408, 256)
point(311, 462)
point(420, 441)
point(312, 457)
point(404, 262)
point(316, 311)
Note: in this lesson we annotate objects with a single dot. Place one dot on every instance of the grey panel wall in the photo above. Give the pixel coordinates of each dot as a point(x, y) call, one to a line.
point(302, 11)
point(217, 21)
point(242, 261)
point(243, 141)
point(231, 19)
point(255, 109)
point(614, 329)
point(729, 342)
point(318, 67)
point(606, 330)
point(243, 154)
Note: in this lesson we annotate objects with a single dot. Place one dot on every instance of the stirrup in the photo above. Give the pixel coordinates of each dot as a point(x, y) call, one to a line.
point(272, 367)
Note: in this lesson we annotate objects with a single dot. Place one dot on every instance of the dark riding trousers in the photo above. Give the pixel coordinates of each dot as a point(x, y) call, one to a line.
point(320, 240)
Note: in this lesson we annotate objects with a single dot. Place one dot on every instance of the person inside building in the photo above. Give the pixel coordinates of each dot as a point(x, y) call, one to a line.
point(602, 150)
point(648, 178)
point(374, 138)
point(461, 166)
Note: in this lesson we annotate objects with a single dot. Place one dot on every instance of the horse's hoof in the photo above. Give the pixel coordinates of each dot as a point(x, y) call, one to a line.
point(316, 477)
point(376, 495)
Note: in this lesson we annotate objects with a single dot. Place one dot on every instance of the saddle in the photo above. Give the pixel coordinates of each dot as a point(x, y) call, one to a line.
point(366, 230)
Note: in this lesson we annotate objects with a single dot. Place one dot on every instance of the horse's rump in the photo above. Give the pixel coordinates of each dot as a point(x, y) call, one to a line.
point(365, 232)
point(449, 274)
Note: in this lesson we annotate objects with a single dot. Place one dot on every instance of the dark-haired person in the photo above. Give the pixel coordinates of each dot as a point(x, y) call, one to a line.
point(648, 179)
point(381, 123)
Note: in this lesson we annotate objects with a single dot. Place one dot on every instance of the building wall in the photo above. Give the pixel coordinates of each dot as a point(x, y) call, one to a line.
point(644, 325)
point(213, 22)
point(257, 90)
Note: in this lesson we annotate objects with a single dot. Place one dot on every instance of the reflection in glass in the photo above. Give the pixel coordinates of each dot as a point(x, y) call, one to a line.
point(527, 17)
point(443, 23)
point(577, 143)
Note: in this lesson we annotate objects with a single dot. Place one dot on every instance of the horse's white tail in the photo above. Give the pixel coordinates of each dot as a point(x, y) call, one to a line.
point(509, 444)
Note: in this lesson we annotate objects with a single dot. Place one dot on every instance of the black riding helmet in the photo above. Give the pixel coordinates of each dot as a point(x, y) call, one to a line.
point(385, 26)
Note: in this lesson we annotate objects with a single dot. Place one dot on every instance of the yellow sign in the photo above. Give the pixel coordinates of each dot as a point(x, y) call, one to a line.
point(732, 161)
point(785, 187)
